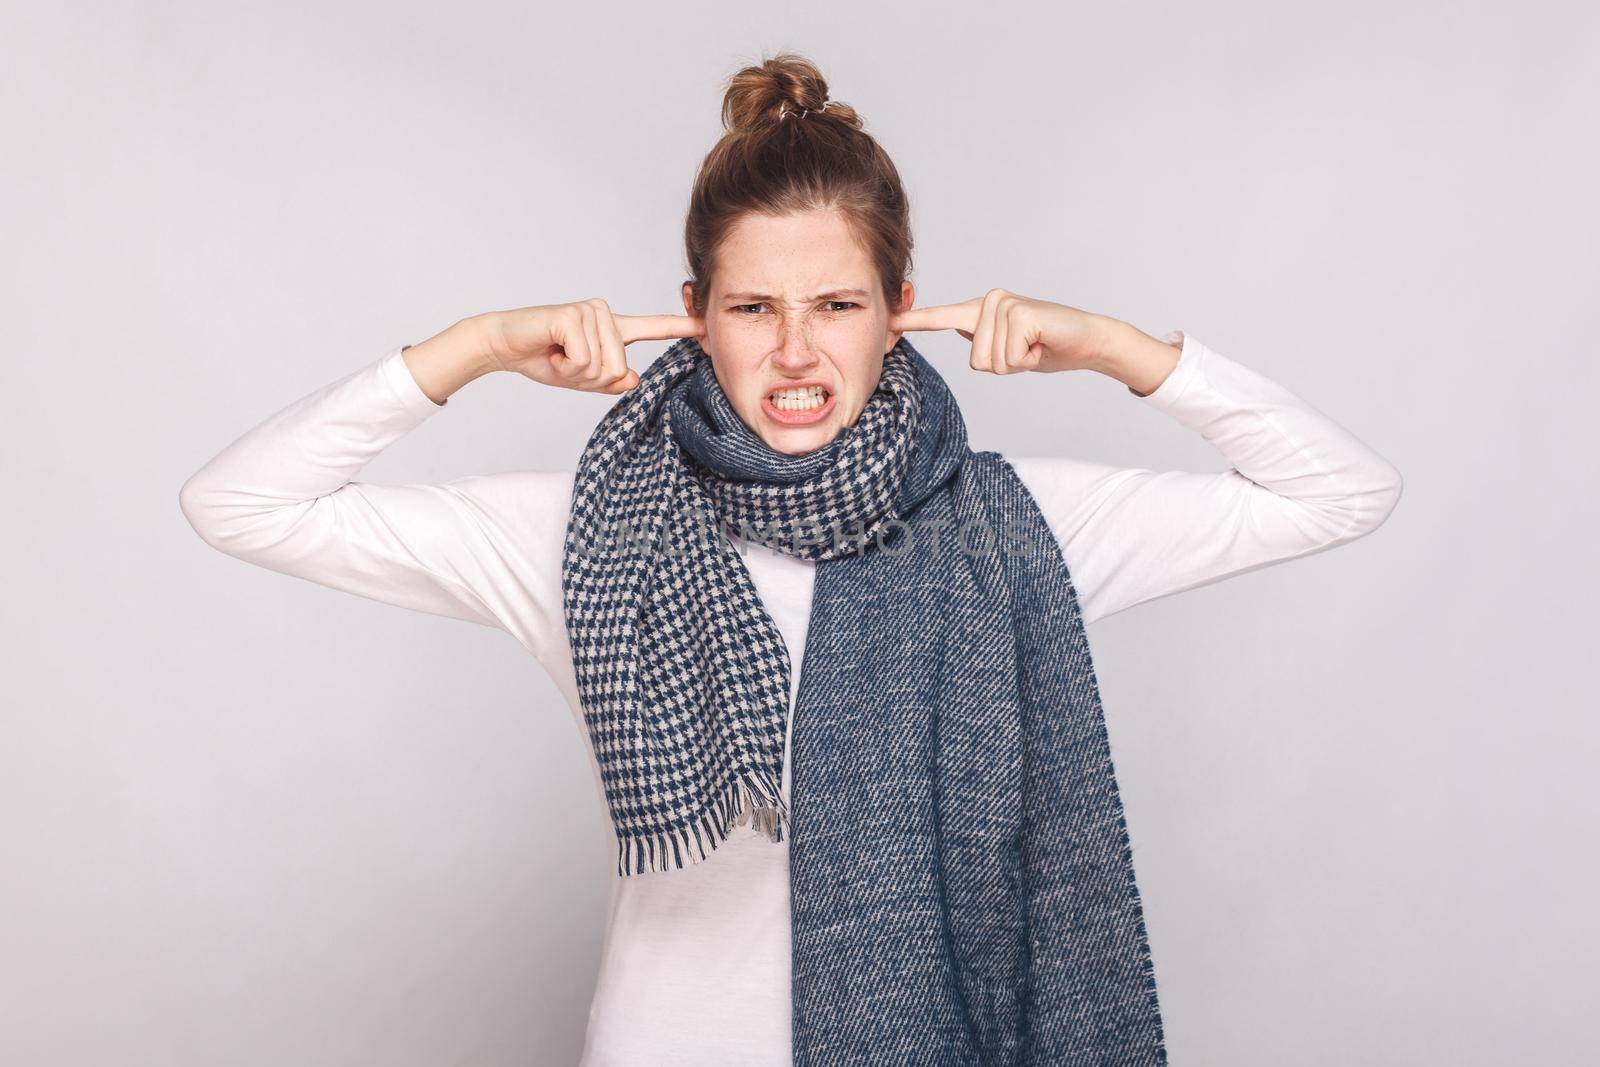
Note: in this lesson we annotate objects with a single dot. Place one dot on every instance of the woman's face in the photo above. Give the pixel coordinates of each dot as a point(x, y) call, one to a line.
point(796, 327)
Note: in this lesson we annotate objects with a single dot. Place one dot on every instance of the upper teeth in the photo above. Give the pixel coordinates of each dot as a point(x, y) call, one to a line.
point(810, 396)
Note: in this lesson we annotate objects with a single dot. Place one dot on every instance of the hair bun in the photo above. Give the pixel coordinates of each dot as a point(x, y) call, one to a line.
point(785, 87)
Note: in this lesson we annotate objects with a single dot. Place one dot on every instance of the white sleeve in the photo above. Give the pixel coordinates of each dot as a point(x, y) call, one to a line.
point(1299, 483)
point(483, 548)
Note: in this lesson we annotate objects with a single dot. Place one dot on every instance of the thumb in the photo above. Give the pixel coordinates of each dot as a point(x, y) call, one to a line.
point(623, 384)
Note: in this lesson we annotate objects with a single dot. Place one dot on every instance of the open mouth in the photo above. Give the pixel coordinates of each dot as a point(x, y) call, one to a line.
point(797, 405)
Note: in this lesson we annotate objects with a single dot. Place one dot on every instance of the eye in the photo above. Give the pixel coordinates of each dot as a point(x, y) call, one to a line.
point(845, 305)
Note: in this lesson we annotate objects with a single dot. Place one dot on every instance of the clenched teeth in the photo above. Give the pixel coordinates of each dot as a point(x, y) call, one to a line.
point(800, 399)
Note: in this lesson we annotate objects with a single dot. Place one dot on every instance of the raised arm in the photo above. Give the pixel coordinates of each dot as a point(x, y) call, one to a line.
point(1299, 483)
point(483, 548)
point(284, 496)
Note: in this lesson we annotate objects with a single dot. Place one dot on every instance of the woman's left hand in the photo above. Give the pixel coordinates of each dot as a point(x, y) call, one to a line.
point(1010, 332)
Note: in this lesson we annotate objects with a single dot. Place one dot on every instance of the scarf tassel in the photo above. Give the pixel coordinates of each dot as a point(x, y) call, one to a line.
point(751, 800)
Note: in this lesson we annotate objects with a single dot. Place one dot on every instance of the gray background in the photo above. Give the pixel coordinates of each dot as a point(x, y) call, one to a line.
point(248, 820)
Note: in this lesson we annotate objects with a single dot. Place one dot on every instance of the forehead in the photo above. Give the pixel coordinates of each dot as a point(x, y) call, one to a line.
point(794, 256)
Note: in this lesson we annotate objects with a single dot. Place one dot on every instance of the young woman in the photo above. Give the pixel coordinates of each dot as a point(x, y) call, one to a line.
point(896, 901)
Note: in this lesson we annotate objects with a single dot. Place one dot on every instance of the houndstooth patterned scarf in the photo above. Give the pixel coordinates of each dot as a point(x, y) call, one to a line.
point(961, 878)
point(684, 676)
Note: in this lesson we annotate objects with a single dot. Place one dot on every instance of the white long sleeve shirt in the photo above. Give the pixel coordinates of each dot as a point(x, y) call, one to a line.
point(695, 966)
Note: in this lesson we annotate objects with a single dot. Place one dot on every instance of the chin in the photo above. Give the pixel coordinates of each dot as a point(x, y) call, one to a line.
point(798, 441)
point(784, 434)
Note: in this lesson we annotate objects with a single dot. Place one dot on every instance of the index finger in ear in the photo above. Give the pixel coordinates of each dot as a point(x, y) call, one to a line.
point(658, 327)
point(958, 317)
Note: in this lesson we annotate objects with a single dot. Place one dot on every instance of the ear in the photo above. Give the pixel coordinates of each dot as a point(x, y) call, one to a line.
point(908, 296)
point(688, 309)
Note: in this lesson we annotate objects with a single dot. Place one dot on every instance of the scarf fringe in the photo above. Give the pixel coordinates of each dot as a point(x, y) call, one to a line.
point(750, 800)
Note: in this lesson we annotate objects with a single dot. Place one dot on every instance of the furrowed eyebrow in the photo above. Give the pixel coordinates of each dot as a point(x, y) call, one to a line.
point(836, 294)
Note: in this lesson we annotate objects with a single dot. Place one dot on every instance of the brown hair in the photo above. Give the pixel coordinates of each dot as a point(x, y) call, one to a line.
point(774, 163)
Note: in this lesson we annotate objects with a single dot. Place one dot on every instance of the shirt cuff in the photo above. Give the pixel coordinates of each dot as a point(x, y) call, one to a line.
point(398, 375)
point(1183, 372)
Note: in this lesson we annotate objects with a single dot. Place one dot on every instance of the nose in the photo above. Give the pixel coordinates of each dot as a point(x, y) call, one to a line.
point(795, 355)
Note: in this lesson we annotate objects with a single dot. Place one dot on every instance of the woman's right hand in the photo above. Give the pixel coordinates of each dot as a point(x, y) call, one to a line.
point(578, 345)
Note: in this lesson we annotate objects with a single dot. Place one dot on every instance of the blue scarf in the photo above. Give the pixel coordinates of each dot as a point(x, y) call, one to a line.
point(962, 886)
